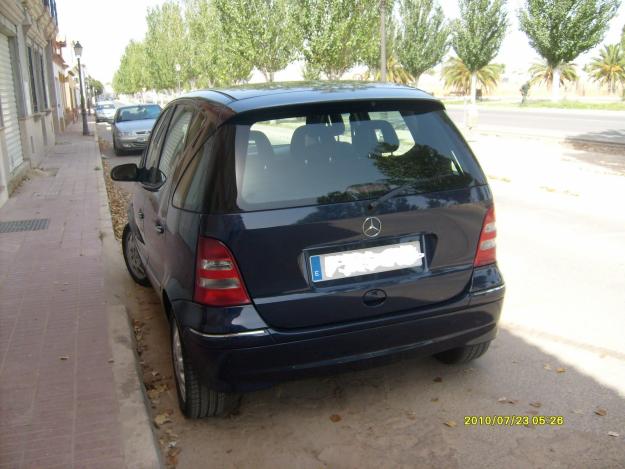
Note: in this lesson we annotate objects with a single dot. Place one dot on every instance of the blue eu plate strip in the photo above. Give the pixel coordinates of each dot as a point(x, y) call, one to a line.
point(315, 268)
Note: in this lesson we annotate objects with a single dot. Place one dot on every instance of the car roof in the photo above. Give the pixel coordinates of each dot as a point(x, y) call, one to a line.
point(125, 106)
point(266, 95)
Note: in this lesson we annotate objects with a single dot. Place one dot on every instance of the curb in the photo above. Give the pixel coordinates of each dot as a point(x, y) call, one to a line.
point(598, 145)
point(138, 437)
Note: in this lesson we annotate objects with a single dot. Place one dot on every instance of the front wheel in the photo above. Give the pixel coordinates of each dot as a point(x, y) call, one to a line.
point(195, 398)
point(134, 264)
point(464, 354)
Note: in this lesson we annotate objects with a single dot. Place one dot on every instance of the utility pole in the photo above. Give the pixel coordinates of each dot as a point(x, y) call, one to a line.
point(383, 41)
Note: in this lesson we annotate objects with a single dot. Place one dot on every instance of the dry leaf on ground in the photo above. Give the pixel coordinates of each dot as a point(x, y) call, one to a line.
point(601, 412)
point(536, 404)
point(561, 369)
point(547, 366)
point(438, 379)
point(161, 419)
point(335, 418)
point(63, 357)
point(614, 434)
point(451, 423)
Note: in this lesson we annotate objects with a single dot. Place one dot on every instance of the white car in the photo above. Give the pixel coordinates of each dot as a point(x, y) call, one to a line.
point(105, 111)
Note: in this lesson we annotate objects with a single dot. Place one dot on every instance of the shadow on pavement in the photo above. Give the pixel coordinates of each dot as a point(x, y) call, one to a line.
point(397, 415)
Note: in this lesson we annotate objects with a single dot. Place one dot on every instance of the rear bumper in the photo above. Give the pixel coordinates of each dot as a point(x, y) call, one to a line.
point(254, 359)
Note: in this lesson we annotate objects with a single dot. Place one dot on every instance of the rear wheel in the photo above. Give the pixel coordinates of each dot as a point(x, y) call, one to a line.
point(134, 264)
point(196, 400)
point(463, 354)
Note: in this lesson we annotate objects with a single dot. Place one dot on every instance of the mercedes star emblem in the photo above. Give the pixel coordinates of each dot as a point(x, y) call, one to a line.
point(371, 227)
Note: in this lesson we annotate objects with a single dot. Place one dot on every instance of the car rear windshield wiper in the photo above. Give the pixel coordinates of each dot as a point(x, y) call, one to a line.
point(403, 188)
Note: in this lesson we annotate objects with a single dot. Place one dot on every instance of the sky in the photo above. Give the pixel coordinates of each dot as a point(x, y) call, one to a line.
point(105, 27)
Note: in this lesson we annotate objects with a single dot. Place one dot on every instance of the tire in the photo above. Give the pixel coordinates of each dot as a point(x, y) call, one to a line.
point(464, 354)
point(116, 149)
point(195, 398)
point(133, 261)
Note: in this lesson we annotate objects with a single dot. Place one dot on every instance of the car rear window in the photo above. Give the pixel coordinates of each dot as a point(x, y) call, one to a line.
point(348, 155)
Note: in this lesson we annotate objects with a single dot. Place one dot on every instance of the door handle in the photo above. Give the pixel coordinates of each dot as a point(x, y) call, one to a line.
point(140, 214)
point(159, 228)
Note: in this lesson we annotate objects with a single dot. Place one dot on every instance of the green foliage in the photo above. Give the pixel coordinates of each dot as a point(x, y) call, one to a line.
point(395, 73)
point(98, 87)
point(211, 63)
point(479, 31)
point(338, 33)
point(133, 72)
point(561, 30)
point(423, 40)
point(457, 75)
point(543, 72)
point(609, 67)
point(166, 45)
point(262, 32)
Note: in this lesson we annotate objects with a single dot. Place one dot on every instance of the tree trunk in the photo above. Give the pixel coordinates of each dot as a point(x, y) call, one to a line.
point(382, 41)
point(555, 84)
point(473, 86)
point(416, 80)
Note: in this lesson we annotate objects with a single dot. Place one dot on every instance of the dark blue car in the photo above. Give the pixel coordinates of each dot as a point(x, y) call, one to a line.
point(299, 228)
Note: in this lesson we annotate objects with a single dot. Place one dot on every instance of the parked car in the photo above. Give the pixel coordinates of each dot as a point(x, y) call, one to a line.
point(297, 229)
point(132, 126)
point(104, 111)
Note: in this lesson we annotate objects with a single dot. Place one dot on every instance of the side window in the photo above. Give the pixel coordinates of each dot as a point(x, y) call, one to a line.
point(175, 139)
point(154, 149)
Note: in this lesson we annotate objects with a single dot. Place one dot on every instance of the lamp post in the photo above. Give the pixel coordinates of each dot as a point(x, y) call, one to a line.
point(83, 112)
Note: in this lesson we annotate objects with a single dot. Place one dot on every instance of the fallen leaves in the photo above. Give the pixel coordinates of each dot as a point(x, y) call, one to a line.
point(536, 404)
point(560, 370)
point(451, 423)
point(335, 418)
point(162, 419)
point(601, 412)
point(547, 366)
point(64, 357)
point(118, 202)
point(505, 400)
point(438, 379)
point(614, 434)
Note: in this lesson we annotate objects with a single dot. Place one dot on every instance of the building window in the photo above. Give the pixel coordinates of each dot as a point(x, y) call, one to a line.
point(36, 72)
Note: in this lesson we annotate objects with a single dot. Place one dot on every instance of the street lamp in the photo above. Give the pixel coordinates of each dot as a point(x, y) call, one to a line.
point(83, 112)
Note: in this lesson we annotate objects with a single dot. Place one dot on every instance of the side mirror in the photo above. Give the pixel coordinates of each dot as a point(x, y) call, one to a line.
point(125, 172)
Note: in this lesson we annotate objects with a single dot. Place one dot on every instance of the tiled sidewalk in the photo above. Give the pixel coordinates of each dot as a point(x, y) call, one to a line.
point(58, 406)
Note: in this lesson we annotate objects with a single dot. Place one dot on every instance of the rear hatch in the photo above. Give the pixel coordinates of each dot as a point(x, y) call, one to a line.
point(318, 235)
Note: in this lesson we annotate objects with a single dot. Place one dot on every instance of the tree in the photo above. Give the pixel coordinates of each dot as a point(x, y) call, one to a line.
point(543, 72)
point(457, 75)
point(166, 45)
point(133, 74)
point(96, 85)
point(211, 63)
point(423, 40)
point(395, 73)
point(609, 67)
point(477, 35)
point(561, 30)
point(338, 33)
point(263, 32)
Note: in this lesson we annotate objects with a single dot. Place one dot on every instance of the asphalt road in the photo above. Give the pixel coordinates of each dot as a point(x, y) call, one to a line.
point(604, 126)
point(560, 353)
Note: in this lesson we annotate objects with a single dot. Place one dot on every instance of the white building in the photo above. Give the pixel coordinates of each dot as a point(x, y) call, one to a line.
point(28, 92)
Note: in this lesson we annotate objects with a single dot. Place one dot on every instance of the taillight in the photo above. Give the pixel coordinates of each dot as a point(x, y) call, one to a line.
point(486, 248)
point(218, 281)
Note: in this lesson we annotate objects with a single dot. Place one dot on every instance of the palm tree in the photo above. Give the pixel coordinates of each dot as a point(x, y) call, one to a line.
point(457, 75)
point(543, 72)
point(395, 73)
point(609, 67)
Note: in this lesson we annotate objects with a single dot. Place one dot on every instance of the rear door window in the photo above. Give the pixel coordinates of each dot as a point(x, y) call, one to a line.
point(349, 155)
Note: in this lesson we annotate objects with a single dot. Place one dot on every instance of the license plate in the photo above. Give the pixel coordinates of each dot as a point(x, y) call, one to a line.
point(333, 266)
